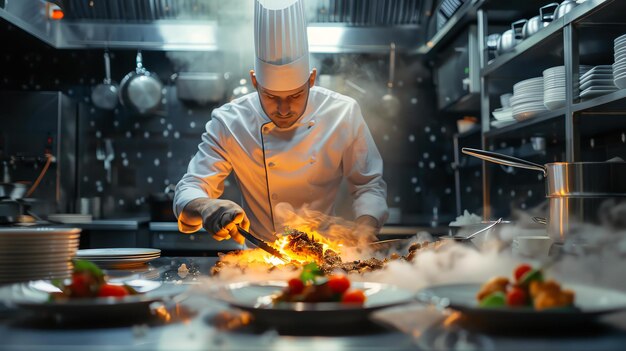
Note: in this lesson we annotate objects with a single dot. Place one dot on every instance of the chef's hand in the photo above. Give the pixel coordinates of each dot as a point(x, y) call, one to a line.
point(221, 218)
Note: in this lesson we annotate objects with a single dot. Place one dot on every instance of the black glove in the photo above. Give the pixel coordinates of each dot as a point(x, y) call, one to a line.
point(221, 218)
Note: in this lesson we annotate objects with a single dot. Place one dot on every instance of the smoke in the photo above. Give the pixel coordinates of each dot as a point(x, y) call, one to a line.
point(234, 38)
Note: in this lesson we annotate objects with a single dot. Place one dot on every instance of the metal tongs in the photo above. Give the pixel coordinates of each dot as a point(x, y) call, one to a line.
point(261, 244)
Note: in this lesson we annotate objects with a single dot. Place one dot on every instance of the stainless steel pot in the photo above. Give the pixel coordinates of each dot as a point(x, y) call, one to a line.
point(565, 7)
point(576, 190)
point(200, 87)
point(535, 24)
point(511, 37)
point(13, 191)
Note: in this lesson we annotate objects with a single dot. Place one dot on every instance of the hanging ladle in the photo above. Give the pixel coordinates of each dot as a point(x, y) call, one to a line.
point(391, 104)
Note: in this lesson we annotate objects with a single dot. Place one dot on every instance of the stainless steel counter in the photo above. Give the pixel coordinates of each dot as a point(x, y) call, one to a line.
point(191, 326)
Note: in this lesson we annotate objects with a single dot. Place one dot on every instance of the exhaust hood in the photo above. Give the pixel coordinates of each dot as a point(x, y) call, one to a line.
point(335, 26)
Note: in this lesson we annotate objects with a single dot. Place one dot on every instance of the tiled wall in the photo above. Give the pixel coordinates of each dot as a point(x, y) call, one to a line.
point(152, 151)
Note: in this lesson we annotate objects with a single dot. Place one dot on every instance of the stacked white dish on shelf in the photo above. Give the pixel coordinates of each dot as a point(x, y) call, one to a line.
point(504, 114)
point(554, 86)
point(37, 253)
point(119, 257)
point(597, 81)
point(527, 100)
point(619, 67)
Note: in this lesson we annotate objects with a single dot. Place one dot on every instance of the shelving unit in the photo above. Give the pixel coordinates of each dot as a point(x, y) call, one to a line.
point(583, 36)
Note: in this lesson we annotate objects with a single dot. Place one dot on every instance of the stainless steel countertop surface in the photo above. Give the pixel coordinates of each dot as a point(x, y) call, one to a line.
point(191, 328)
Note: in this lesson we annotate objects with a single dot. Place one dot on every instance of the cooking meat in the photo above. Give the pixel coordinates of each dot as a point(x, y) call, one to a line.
point(300, 245)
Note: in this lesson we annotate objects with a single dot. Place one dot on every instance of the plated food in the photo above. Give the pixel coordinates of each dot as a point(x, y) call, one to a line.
point(313, 285)
point(527, 289)
point(88, 281)
point(268, 305)
point(89, 295)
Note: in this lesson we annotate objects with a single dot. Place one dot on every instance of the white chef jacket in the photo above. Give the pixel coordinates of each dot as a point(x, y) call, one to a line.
point(301, 165)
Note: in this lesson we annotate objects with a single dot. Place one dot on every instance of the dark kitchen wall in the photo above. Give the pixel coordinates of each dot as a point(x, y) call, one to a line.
point(152, 151)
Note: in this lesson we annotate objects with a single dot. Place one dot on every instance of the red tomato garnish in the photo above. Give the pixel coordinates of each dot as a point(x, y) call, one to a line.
point(516, 297)
point(295, 286)
point(353, 296)
point(81, 285)
point(521, 270)
point(107, 290)
point(338, 283)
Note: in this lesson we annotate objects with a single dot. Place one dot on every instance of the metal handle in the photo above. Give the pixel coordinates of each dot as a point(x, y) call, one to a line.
point(518, 32)
point(484, 229)
point(392, 64)
point(548, 17)
point(139, 59)
point(504, 159)
point(107, 67)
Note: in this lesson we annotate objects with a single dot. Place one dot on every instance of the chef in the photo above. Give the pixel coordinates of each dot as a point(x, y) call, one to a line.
point(289, 141)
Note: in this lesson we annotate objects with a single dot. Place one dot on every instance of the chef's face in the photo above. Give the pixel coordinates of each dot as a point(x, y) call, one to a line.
point(284, 108)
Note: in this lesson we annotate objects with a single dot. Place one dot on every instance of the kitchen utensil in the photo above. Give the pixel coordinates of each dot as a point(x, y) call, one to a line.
point(492, 44)
point(200, 87)
point(467, 239)
point(141, 89)
point(105, 95)
point(511, 37)
point(390, 103)
point(565, 7)
point(536, 23)
point(384, 245)
point(13, 191)
point(261, 244)
point(576, 190)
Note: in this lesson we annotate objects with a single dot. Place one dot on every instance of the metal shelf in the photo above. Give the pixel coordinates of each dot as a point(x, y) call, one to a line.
point(544, 117)
point(606, 104)
point(550, 38)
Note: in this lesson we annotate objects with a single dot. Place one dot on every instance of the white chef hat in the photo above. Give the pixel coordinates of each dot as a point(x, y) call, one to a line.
point(281, 44)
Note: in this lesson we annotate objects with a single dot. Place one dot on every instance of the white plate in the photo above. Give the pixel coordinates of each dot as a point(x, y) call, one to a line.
point(597, 76)
point(256, 298)
point(620, 82)
point(598, 83)
point(502, 123)
point(70, 218)
point(554, 105)
point(524, 115)
point(39, 232)
point(595, 93)
point(591, 302)
point(503, 114)
point(117, 252)
point(34, 296)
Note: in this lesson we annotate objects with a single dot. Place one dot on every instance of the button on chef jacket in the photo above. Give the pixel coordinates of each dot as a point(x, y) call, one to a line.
point(301, 165)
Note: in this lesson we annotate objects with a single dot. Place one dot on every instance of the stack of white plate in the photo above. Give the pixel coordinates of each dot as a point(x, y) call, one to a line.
point(619, 67)
point(597, 81)
point(118, 257)
point(36, 253)
point(554, 86)
point(527, 100)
